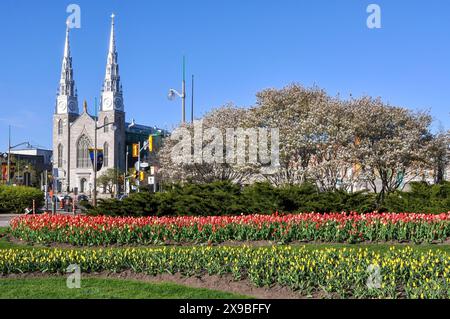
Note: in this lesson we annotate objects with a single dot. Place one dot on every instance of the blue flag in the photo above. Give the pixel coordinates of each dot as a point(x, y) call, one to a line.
point(99, 158)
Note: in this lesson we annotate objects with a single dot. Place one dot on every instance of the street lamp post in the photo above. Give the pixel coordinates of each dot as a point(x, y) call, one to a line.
point(96, 128)
point(9, 155)
point(159, 134)
point(113, 127)
point(133, 124)
point(140, 149)
point(173, 93)
point(125, 173)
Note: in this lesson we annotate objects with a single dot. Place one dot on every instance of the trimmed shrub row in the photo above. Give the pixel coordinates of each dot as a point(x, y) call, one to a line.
point(224, 198)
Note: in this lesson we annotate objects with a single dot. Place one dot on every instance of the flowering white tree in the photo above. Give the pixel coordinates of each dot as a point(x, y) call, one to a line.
point(293, 111)
point(206, 159)
point(392, 143)
point(332, 142)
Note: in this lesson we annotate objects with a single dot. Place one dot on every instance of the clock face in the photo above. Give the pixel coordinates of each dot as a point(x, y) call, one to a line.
point(72, 106)
point(108, 103)
point(62, 106)
point(118, 103)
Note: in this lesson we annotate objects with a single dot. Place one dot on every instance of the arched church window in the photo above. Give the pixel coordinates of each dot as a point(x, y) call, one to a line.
point(105, 154)
point(60, 155)
point(83, 160)
point(105, 122)
point(60, 127)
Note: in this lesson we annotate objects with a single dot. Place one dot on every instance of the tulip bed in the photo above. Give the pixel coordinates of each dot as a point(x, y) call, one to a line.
point(403, 273)
point(336, 227)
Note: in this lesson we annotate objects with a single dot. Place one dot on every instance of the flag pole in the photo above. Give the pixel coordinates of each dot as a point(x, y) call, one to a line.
point(192, 101)
point(183, 94)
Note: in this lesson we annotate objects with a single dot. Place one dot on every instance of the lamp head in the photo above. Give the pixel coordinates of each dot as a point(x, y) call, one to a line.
point(172, 95)
point(132, 124)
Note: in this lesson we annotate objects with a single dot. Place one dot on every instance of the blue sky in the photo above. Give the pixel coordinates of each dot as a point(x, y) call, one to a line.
point(235, 48)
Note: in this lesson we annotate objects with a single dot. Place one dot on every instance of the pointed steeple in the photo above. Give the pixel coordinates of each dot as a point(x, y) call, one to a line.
point(112, 78)
point(67, 84)
point(67, 94)
point(112, 89)
point(67, 43)
point(112, 39)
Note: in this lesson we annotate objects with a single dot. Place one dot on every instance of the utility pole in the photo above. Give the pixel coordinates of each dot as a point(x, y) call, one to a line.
point(192, 101)
point(154, 179)
point(139, 168)
point(46, 189)
point(94, 197)
point(183, 91)
point(126, 172)
point(173, 93)
point(9, 155)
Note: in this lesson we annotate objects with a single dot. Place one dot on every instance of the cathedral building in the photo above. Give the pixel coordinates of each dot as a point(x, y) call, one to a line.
point(74, 130)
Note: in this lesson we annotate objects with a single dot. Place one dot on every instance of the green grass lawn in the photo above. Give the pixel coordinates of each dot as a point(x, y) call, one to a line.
point(6, 244)
point(96, 288)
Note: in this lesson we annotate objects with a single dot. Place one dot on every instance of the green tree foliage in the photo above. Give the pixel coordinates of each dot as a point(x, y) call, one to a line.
point(14, 199)
point(109, 178)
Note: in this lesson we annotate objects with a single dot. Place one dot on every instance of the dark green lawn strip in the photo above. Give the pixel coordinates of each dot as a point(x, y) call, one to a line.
point(379, 247)
point(96, 288)
point(6, 244)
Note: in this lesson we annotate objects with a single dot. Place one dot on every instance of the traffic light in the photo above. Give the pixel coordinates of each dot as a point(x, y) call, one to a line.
point(136, 174)
point(150, 143)
point(141, 176)
point(135, 151)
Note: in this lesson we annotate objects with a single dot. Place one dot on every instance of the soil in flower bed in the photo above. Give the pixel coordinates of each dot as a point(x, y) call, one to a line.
point(223, 283)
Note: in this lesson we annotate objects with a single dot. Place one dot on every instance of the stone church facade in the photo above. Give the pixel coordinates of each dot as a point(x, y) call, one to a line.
point(74, 131)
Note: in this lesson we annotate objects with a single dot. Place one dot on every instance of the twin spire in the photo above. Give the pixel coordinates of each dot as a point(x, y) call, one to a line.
point(112, 78)
point(67, 83)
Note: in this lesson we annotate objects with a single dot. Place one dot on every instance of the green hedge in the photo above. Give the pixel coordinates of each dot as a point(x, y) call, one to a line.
point(223, 198)
point(422, 198)
point(14, 199)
